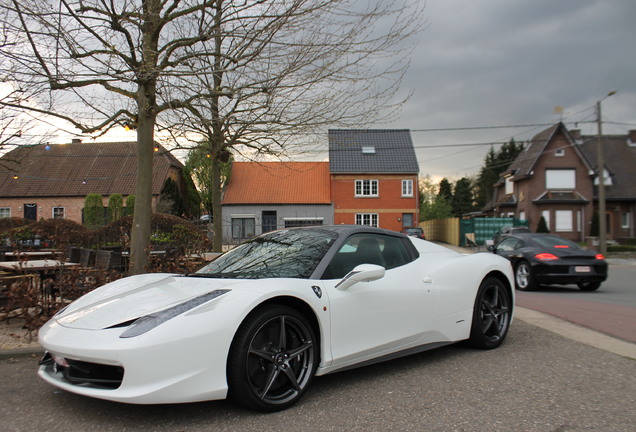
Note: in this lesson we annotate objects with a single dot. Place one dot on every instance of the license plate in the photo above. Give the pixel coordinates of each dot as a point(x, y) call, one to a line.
point(582, 269)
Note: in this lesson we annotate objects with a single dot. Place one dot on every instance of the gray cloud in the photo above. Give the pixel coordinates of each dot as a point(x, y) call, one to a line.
point(510, 62)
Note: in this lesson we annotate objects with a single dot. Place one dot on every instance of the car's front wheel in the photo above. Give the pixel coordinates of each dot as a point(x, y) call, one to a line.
point(272, 359)
point(491, 314)
point(524, 280)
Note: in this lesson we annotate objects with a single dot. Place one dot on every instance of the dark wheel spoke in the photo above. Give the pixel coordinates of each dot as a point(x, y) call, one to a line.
point(301, 349)
point(270, 381)
point(282, 337)
point(292, 377)
point(265, 355)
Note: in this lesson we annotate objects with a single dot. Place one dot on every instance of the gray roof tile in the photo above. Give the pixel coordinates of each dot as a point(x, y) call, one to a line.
point(394, 152)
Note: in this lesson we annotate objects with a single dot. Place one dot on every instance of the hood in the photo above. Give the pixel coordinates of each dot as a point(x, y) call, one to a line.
point(133, 297)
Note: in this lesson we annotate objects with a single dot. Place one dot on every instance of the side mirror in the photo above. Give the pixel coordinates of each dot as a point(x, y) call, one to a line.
point(491, 248)
point(362, 273)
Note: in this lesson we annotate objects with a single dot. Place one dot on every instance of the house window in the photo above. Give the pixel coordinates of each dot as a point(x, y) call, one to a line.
point(509, 186)
point(370, 219)
point(546, 217)
point(563, 221)
point(559, 152)
point(300, 222)
point(5, 212)
point(407, 188)
point(366, 188)
point(243, 227)
point(522, 215)
point(58, 212)
point(560, 179)
point(624, 220)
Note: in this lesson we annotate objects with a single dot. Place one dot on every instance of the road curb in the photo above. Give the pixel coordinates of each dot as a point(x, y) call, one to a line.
point(21, 352)
point(576, 332)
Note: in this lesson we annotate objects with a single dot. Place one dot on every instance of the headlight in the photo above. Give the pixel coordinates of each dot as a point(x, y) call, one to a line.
point(148, 322)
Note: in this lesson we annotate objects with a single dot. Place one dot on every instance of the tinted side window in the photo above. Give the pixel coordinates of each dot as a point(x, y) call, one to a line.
point(508, 244)
point(386, 251)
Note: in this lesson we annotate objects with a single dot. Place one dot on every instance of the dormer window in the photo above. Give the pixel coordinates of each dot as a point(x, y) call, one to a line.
point(560, 179)
point(368, 150)
point(559, 152)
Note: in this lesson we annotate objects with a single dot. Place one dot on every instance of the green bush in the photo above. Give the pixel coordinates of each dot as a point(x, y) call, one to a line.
point(621, 248)
point(115, 207)
point(93, 210)
point(130, 205)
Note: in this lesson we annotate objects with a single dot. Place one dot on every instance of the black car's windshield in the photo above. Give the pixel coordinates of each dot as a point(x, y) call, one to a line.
point(280, 254)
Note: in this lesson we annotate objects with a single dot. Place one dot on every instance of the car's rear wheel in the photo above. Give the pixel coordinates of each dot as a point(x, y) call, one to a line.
point(272, 360)
point(589, 286)
point(524, 280)
point(491, 314)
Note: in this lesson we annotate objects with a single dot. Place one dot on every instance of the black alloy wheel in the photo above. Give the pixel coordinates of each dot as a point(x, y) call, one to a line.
point(524, 281)
point(272, 360)
point(491, 314)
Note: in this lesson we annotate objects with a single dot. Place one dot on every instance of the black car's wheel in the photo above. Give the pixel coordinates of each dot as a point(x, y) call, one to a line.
point(491, 315)
point(589, 286)
point(272, 360)
point(524, 280)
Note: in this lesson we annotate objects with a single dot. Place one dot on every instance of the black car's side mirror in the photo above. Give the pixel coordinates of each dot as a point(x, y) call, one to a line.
point(491, 248)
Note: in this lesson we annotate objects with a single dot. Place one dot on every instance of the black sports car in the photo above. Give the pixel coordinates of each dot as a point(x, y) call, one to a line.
point(544, 259)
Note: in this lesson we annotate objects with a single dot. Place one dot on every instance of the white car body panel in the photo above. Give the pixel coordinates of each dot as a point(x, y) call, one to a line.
point(426, 302)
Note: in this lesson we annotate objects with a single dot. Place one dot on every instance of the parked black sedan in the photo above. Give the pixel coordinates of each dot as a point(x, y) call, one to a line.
point(544, 259)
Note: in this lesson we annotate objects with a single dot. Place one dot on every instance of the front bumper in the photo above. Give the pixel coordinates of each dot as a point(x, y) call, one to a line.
point(165, 366)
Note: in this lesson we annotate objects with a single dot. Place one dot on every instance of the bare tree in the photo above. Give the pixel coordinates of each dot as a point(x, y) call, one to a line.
point(245, 70)
point(283, 71)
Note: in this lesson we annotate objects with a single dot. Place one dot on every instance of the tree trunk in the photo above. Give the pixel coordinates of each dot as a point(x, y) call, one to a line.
point(216, 204)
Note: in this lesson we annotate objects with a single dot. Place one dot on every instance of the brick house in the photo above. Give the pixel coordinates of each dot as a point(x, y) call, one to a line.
point(555, 177)
point(374, 178)
point(264, 196)
point(45, 181)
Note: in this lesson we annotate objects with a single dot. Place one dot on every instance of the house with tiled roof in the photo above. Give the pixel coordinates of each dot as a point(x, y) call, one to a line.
point(374, 177)
point(556, 177)
point(264, 196)
point(52, 181)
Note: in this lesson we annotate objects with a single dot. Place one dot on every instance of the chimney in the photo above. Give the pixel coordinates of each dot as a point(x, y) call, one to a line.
point(76, 141)
point(576, 134)
point(631, 137)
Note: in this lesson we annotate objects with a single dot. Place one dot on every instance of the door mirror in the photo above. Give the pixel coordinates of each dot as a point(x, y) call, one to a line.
point(361, 273)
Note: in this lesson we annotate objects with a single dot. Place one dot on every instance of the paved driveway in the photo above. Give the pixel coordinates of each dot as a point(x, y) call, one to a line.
point(537, 381)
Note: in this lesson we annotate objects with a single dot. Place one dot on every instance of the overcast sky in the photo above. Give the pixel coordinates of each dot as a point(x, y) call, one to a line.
point(511, 62)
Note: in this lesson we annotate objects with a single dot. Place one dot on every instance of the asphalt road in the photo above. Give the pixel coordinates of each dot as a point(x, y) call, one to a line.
point(537, 381)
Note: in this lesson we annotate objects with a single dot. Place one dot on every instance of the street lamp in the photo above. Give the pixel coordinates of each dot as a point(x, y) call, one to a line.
point(602, 235)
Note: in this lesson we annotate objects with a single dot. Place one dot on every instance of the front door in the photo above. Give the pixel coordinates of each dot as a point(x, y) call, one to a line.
point(407, 220)
point(268, 221)
point(30, 211)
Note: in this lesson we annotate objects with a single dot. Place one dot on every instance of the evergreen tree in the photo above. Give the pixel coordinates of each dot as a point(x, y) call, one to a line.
point(445, 190)
point(494, 164)
point(543, 226)
point(462, 199)
point(115, 207)
point(93, 210)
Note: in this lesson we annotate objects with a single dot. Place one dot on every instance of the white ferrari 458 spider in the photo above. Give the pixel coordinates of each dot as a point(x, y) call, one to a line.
point(258, 323)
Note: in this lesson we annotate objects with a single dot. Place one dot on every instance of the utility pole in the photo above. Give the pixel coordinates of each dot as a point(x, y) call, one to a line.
point(602, 235)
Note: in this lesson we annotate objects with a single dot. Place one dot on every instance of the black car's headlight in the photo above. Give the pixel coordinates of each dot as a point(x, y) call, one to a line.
point(148, 322)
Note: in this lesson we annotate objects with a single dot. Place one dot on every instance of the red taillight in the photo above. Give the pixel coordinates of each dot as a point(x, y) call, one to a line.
point(546, 257)
point(561, 246)
point(599, 256)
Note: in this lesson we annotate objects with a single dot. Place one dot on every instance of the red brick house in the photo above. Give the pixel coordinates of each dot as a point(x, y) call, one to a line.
point(374, 178)
point(556, 177)
point(45, 181)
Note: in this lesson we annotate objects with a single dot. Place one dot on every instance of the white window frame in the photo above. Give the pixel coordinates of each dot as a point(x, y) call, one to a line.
point(560, 179)
point(370, 219)
point(522, 215)
point(510, 187)
point(625, 218)
point(5, 212)
point(407, 188)
point(560, 152)
point(57, 209)
point(563, 221)
point(366, 188)
point(546, 216)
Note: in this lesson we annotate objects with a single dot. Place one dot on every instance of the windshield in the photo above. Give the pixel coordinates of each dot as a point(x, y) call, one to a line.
point(291, 253)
